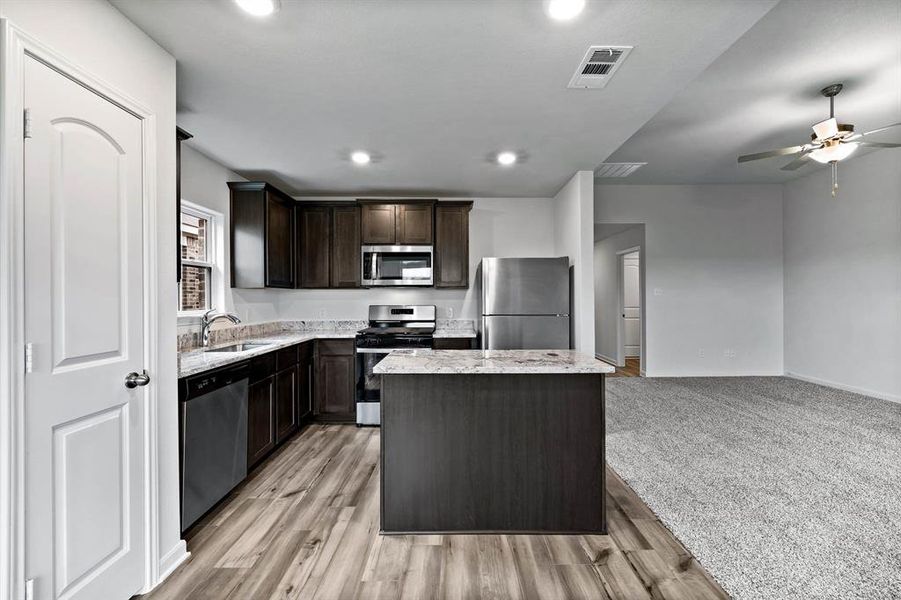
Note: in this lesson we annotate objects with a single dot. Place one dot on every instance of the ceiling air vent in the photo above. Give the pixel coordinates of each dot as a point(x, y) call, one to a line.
point(617, 169)
point(598, 66)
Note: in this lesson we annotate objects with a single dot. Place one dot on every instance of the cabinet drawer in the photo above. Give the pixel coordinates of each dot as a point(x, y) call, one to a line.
point(286, 357)
point(340, 347)
point(262, 366)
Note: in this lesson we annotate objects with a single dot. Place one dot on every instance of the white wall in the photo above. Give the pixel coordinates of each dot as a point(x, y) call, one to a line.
point(96, 37)
point(497, 227)
point(606, 290)
point(843, 276)
point(713, 274)
point(203, 182)
point(574, 237)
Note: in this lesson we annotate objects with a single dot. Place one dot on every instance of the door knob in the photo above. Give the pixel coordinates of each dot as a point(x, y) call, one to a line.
point(133, 379)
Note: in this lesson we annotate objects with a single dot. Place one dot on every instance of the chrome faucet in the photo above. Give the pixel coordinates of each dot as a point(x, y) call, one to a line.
point(210, 317)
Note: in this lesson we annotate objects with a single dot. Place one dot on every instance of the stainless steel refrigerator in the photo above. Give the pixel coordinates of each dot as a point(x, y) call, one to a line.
point(525, 303)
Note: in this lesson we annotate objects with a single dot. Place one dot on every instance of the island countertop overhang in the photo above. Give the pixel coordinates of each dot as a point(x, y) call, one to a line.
point(489, 362)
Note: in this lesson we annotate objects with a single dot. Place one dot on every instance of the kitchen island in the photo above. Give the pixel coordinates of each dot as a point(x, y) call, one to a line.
point(492, 441)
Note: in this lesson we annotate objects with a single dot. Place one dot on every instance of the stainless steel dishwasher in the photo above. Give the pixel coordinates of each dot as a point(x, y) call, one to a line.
point(213, 440)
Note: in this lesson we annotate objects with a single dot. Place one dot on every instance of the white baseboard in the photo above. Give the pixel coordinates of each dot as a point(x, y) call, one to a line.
point(606, 359)
point(171, 561)
point(847, 388)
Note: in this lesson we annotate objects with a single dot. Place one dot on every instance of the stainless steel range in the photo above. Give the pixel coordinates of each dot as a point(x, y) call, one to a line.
point(391, 327)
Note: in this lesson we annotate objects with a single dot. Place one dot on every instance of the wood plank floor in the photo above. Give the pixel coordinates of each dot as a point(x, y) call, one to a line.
point(632, 369)
point(305, 525)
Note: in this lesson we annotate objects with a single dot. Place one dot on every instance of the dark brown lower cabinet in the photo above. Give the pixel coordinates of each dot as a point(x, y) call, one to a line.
point(334, 381)
point(260, 422)
point(305, 382)
point(454, 343)
point(286, 421)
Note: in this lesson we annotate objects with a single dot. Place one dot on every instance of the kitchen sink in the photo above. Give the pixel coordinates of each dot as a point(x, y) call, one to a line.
point(239, 347)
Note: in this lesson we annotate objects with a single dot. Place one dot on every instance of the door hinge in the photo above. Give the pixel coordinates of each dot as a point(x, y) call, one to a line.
point(29, 589)
point(27, 123)
point(29, 357)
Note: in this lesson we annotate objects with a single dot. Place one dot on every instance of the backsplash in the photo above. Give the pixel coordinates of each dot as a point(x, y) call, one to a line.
point(231, 333)
point(191, 339)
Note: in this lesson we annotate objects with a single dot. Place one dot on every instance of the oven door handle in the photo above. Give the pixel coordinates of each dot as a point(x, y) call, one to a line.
point(375, 350)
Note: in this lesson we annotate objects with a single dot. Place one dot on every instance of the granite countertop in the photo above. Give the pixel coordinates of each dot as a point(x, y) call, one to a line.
point(479, 362)
point(198, 360)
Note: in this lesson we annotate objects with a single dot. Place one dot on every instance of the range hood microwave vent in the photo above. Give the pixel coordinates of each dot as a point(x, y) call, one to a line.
point(598, 66)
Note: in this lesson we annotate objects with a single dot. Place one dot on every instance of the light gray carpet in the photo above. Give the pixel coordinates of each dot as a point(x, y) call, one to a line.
point(782, 489)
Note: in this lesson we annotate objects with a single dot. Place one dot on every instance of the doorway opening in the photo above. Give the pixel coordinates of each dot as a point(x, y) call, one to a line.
point(628, 331)
point(619, 297)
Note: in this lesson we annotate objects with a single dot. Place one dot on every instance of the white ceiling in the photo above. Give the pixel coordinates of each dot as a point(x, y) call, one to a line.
point(763, 93)
point(432, 88)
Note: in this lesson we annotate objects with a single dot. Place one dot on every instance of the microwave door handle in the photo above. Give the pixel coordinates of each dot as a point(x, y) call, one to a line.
point(375, 266)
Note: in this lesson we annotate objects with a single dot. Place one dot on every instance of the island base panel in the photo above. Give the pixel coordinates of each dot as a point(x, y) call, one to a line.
point(493, 453)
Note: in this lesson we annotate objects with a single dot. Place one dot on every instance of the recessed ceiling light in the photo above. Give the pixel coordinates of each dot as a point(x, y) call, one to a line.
point(564, 10)
point(506, 158)
point(360, 157)
point(258, 8)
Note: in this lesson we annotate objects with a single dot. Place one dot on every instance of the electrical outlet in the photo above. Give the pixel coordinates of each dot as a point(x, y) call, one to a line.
point(450, 312)
point(700, 353)
point(658, 291)
point(322, 313)
point(729, 353)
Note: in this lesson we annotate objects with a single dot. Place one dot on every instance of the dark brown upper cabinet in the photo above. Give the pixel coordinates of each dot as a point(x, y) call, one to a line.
point(262, 236)
point(328, 245)
point(314, 225)
point(414, 223)
point(452, 244)
point(345, 247)
point(401, 222)
point(379, 223)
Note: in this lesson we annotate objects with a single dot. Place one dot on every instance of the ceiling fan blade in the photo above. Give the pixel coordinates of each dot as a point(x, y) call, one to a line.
point(878, 145)
point(797, 163)
point(771, 153)
point(881, 129)
point(826, 129)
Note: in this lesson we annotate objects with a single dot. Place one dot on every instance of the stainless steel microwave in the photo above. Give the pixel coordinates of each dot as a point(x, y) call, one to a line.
point(397, 265)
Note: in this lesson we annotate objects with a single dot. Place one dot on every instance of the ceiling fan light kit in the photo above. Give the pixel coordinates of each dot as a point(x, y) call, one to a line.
point(830, 143)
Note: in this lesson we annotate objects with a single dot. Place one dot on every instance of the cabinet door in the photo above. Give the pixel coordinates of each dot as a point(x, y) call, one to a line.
point(453, 343)
point(285, 403)
point(334, 384)
point(279, 242)
point(315, 233)
point(378, 223)
point(345, 271)
point(414, 223)
point(260, 422)
point(305, 386)
point(452, 246)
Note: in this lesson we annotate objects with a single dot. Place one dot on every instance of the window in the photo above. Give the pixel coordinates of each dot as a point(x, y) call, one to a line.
point(200, 260)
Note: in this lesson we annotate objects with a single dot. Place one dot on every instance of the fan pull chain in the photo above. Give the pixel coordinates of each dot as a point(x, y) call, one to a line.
point(834, 178)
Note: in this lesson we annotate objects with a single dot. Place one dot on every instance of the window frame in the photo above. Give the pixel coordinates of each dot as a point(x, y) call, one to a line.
point(215, 259)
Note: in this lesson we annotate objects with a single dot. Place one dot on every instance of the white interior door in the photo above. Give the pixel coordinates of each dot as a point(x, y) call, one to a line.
point(84, 315)
point(631, 305)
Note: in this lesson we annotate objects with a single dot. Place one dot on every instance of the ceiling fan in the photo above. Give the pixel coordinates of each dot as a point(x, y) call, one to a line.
point(830, 142)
